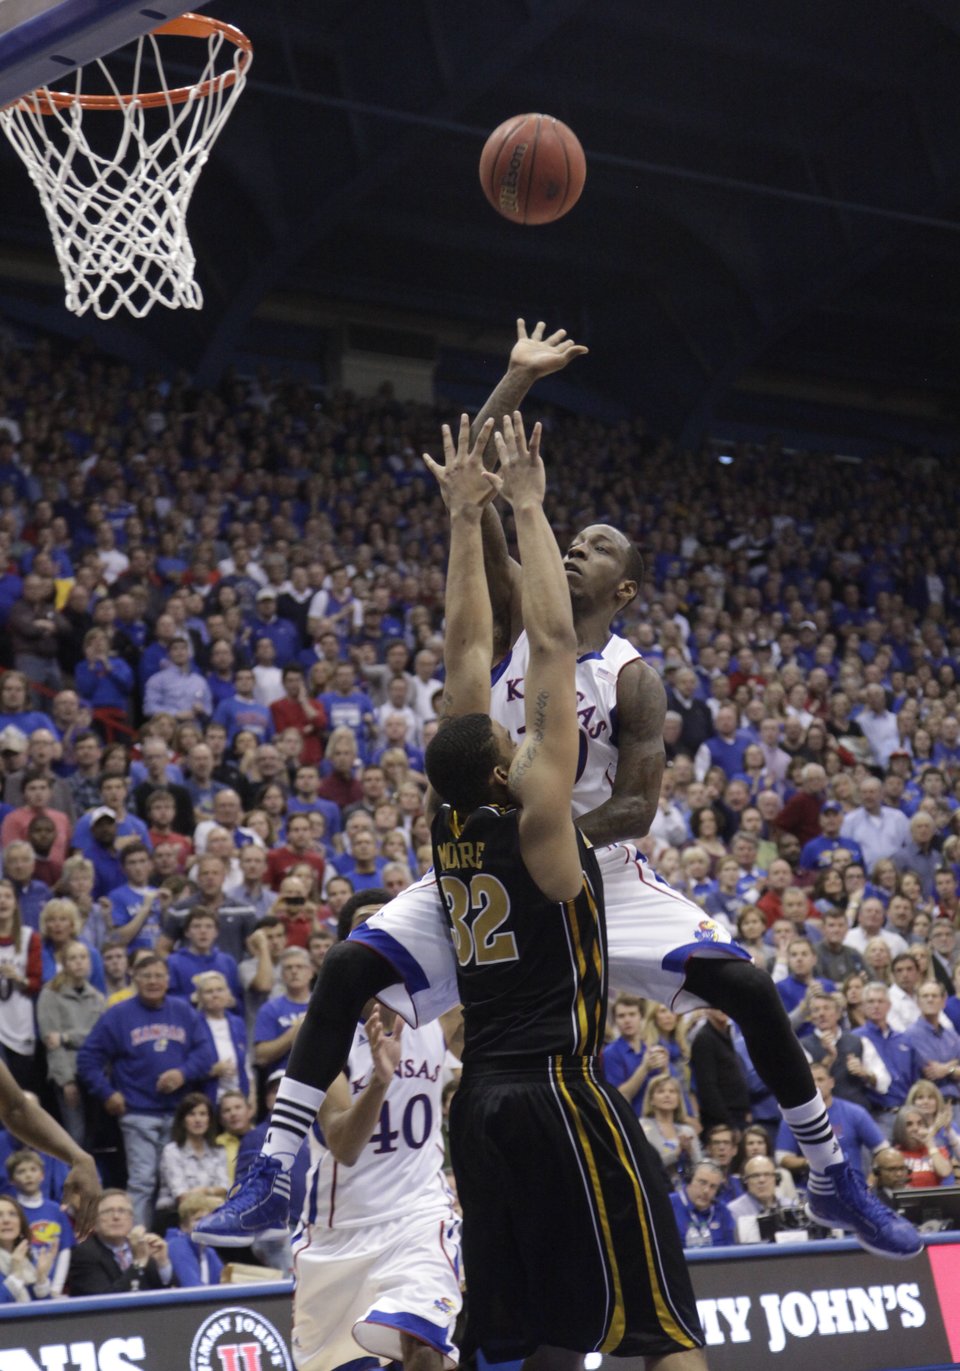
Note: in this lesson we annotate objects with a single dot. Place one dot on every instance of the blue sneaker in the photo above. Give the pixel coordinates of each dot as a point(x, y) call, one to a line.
point(852, 1206)
point(254, 1208)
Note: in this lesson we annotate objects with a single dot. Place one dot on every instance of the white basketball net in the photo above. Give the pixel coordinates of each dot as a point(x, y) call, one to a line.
point(119, 220)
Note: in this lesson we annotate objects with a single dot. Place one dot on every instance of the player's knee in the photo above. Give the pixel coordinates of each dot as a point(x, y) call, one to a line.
point(733, 985)
point(350, 974)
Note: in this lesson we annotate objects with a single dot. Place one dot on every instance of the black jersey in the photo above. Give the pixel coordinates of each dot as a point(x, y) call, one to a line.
point(532, 971)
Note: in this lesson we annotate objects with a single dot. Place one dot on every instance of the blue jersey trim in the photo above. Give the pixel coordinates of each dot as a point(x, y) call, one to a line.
point(408, 969)
point(677, 958)
point(430, 1333)
point(500, 668)
point(590, 657)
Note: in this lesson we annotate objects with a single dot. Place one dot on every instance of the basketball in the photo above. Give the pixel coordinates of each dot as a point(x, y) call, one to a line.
point(532, 169)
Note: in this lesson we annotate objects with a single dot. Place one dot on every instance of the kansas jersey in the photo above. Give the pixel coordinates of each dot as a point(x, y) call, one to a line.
point(400, 1170)
point(596, 683)
point(531, 971)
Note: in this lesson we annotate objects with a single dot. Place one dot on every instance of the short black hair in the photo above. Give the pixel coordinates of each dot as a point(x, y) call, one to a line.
point(359, 900)
point(460, 760)
point(633, 563)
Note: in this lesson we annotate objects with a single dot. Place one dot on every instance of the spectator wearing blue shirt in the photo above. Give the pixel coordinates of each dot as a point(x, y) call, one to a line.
point(139, 1061)
point(178, 689)
point(136, 912)
point(241, 711)
point(222, 665)
point(628, 1062)
point(853, 1126)
point(894, 1051)
point(348, 707)
point(154, 658)
point(817, 853)
point(19, 864)
point(199, 954)
point(105, 682)
point(362, 865)
point(800, 980)
point(192, 1264)
point(279, 1020)
point(937, 1044)
point(14, 707)
point(703, 1220)
point(725, 749)
point(281, 632)
point(113, 797)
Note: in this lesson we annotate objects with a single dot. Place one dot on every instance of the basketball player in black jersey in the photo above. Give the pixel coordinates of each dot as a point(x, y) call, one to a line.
point(745, 993)
point(568, 1244)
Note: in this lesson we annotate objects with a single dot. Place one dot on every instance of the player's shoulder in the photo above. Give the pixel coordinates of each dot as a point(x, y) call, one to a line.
point(619, 651)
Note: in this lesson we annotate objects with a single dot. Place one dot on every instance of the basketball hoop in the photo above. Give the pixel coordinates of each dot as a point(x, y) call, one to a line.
point(118, 218)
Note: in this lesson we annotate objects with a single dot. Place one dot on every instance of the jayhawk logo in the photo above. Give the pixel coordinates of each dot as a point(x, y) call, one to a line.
point(707, 931)
point(445, 1305)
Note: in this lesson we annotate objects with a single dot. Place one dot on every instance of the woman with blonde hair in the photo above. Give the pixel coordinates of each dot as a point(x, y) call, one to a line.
point(878, 960)
point(76, 883)
point(928, 1099)
point(661, 1027)
point(227, 1033)
point(662, 1120)
point(60, 925)
point(67, 1010)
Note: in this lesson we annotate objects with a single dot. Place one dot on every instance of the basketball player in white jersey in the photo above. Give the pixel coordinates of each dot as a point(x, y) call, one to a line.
point(660, 944)
point(377, 1253)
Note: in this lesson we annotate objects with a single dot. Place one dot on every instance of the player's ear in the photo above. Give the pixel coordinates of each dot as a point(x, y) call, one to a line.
point(500, 775)
point(627, 591)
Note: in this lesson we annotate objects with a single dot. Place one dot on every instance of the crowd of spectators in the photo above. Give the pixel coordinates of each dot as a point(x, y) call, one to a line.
point(222, 640)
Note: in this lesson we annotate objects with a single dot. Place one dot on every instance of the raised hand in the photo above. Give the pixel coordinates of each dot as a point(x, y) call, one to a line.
point(463, 482)
point(81, 1195)
point(539, 356)
point(523, 478)
point(384, 1049)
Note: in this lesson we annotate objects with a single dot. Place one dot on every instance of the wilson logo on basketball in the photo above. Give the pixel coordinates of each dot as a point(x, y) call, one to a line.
point(238, 1340)
point(509, 197)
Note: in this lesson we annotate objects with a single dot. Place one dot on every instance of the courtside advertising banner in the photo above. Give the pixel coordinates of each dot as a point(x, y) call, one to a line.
point(817, 1308)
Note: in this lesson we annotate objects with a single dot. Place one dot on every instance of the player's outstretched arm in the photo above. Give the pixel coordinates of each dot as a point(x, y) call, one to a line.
point(543, 770)
point(23, 1116)
point(466, 489)
point(533, 357)
point(347, 1122)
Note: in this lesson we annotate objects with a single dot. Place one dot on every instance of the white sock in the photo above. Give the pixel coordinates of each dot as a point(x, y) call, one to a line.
point(293, 1114)
point(814, 1133)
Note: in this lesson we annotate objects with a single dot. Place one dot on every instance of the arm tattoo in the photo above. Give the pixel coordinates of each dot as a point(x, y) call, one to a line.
point(540, 714)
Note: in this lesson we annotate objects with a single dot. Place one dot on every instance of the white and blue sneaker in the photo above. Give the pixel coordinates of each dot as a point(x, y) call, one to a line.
point(256, 1207)
point(852, 1206)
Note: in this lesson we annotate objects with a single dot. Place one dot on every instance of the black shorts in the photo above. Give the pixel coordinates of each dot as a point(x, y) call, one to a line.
point(569, 1239)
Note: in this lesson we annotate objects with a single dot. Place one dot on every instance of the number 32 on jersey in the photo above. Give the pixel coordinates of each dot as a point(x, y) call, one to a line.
point(478, 910)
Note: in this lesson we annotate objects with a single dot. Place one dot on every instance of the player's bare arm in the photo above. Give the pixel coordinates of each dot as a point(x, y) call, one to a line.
point(632, 807)
point(533, 357)
point(543, 770)
point(466, 488)
point(34, 1127)
point(452, 1025)
point(347, 1122)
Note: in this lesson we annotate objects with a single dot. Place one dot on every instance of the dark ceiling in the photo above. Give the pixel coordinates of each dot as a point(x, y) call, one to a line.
point(771, 214)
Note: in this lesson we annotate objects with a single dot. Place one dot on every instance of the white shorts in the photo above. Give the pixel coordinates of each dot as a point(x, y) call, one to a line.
point(652, 931)
point(369, 1285)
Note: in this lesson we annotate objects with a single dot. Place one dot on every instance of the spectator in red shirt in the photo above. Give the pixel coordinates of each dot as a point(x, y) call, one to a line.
point(36, 796)
point(161, 811)
point(296, 910)
point(801, 814)
point(298, 850)
point(297, 710)
point(779, 877)
point(342, 785)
